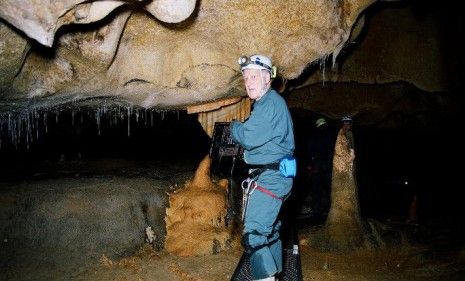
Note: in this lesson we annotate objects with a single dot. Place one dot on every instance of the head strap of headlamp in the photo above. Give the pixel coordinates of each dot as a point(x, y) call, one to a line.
point(245, 60)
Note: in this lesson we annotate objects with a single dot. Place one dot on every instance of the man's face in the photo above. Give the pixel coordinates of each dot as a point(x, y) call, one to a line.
point(256, 82)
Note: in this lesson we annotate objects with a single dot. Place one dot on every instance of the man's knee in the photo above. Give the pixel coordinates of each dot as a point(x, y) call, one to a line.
point(253, 241)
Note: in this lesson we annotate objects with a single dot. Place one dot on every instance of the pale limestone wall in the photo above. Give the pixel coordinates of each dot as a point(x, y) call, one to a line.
point(163, 54)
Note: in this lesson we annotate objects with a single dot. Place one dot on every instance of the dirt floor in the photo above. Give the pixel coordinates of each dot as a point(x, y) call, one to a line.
point(407, 263)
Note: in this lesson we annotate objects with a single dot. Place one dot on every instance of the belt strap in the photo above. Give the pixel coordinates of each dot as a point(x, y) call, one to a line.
point(271, 166)
point(256, 170)
point(267, 192)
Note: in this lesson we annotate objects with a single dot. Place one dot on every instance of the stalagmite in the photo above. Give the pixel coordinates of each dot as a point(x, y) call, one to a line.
point(343, 230)
point(344, 226)
point(195, 223)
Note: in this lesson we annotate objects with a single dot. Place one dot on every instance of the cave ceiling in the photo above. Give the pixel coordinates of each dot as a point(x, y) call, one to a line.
point(401, 67)
point(172, 54)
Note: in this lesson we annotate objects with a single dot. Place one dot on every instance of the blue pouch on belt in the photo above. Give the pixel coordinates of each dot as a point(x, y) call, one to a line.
point(288, 166)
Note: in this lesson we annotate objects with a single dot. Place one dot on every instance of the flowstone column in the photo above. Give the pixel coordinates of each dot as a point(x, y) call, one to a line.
point(343, 230)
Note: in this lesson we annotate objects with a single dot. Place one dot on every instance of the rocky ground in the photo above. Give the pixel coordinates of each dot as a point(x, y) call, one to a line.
point(402, 263)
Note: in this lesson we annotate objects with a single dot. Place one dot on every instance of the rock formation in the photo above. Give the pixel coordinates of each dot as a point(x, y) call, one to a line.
point(160, 53)
point(166, 54)
point(195, 219)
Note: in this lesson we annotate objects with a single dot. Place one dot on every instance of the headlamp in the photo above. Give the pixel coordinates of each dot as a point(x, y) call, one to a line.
point(243, 61)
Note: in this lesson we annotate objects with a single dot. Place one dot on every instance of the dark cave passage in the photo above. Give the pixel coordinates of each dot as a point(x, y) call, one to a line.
point(62, 151)
point(34, 141)
point(393, 165)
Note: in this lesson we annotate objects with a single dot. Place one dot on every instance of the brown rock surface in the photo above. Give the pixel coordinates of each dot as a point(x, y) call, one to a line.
point(195, 219)
point(117, 48)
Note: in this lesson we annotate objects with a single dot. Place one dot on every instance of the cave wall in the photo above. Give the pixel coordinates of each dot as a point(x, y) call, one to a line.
point(390, 105)
point(408, 42)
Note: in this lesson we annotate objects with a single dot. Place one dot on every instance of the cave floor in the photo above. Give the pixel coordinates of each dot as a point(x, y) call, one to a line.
point(147, 264)
point(419, 262)
point(399, 264)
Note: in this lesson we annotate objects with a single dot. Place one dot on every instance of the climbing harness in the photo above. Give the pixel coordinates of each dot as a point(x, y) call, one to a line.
point(248, 187)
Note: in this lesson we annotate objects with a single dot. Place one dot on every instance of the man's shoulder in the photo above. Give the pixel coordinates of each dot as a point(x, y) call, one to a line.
point(274, 97)
point(273, 93)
